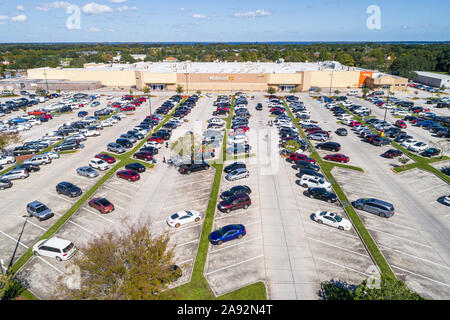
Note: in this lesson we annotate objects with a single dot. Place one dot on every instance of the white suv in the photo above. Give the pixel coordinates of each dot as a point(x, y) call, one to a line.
point(311, 182)
point(98, 164)
point(7, 160)
point(54, 247)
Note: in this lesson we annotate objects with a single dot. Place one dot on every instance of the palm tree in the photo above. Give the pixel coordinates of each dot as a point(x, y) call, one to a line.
point(271, 90)
point(179, 89)
point(146, 89)
point(365, 91)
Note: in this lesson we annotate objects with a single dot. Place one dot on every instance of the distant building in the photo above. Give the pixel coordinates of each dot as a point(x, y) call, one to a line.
point(138, 57)
point(170, 59)
point(5, 62)
point(433, 79)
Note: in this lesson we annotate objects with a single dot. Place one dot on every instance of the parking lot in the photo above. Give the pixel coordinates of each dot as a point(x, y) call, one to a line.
point(158, 194)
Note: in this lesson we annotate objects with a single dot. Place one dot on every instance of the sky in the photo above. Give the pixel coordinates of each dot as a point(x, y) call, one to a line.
point(223, 21)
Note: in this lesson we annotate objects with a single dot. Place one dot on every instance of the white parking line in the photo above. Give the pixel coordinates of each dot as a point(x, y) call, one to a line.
point(421, 276)
point(99, 215)
point(188, 201)
point(432, 188)
point(407, 240)
point(337, 247)
point(28, 221)
point(57, 195)
point(83, 228)
point(321, 226)
point(8, 236)
point(186, 243)
point(185, 261)
point(192, 226)
point(118, 191)
point(234, 245)
point(415, 257)
point(235, 264)
point(42, 259)
point(342, 266)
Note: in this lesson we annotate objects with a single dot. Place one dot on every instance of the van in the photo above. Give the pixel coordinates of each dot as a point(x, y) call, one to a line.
point(39, 159)
point(57, 248)
point(352, 93)
point(379, 207)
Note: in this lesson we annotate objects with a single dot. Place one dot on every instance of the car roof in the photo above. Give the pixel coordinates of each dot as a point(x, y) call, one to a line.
point(56, 242)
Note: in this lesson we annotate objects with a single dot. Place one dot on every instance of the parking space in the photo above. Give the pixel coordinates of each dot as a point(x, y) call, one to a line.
point(415, 240)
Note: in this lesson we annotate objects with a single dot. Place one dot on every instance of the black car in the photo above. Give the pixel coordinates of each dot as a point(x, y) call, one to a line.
point(330, 146)
point(67, 146)
point(305, 164)
point(234, 166)
point(124, 143)
point(446, 170)
point(68, 189)
point(151, 150)
point(20, 151)
point(136, 134)
point(234, 191)
point(402, 137)
point(321, 194)
point(29, 167)
point(193, 167)
point(430, 152)
point(259, 107)
point(309, 172)
point(135, 166)
point(341, 132)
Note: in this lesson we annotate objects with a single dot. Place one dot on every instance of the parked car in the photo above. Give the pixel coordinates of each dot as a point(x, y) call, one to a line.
point(39, 210)
point(337, 157)
point(307, 165)
point(227, 233)
point(235, 191)
point(5, 183)
point(321, 194)
point(87, 172)
point(375, 206)
point(311, 182)
point(193, 167)
point(392, 153)
point(234, 166)
point(430, 152)
point(240, 173)
point(332, 219)
point(15, 174)
point(68, 189)
point(99, 164)
point(106, 157)
point(115, 147)
point(129, 175)
point(143, 155)
point(55, 247)
point(330, 146)
point(102, 205)
point(183, 217)
point(239, 201)
point(7, 160)
point(29, 167)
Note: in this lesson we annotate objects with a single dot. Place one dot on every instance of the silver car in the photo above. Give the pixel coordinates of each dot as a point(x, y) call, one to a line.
point(237, 174)
point(39, 210)
point(15, 174)
point(87, 171)
point(5, 183)
point(115, 147)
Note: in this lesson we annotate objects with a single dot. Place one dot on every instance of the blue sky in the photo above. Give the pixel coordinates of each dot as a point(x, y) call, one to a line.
point(231, 20)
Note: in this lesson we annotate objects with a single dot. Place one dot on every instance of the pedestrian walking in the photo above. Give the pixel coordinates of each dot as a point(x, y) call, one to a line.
point(164, 159)
point(167, 144)
point(153, 160)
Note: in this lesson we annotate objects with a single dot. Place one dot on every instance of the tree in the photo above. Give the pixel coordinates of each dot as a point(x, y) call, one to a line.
point(189, 145)
point(365, 91)
point(146, 90)
point(10, 287)
point(336, 92)
point(179, 89)
point(199, 92)
point(131, 92)
point(403, 161)
point(271, 90)
point(7, 139)
point(131, 264)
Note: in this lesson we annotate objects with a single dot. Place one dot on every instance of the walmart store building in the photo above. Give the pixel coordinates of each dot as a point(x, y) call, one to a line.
point(223, 76)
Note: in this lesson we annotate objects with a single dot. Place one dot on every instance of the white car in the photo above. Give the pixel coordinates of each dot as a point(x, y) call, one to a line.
point(401, 113)
point(109, 97)
point(154, 144)
point(446, 200)
point(352, 93)
point(90, 133)
point(237, 139)
point(54, 247)
point(332, 219)
point(345, 116)
point(106, 123)
point(52, 155)
point(409, 142)
point(183, 217)
point(98, 164)
point(318, 136)
point(7, 160)
point(216, 121)
point(387, 106)
point(418, 146)
point(141, 130)
point(312, 182)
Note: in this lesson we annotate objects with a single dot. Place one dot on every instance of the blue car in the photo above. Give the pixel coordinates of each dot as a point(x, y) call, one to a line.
point(227, 233)
point(95, 103)
point(82, 114)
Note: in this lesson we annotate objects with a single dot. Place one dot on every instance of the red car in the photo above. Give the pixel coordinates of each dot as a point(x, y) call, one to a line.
point(223, 108)
point(297, 156)
point(338, 157)
point(392, 153)
point(142, 99)
point(129, 175)
point(311, 130)
point(277, 109)
point(400, 124)
point(370, 138)
point(243, 128)
point(102, 205)
point(36, 113)
point(116, 104)
point(355, 123)
point(414, 121)
point(47, 116)
point(147, 156)
point(106, 157)
point(157, 139)
point(129, 108)
point(322, 132)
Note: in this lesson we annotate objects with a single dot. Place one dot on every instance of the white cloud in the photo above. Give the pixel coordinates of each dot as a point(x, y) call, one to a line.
point(19, 18)
point(4, 17)
point(53, 5)
point(198, 16)
point(180, 9)
point(253, 14)
point(118, 1)
point(20, 7)
point(93, 29)
point(93, 8)
point(126, 8)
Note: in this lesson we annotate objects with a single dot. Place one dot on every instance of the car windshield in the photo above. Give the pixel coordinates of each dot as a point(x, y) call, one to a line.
point(104, 202)
point(338, 218)
point(68, 248)
point(174, 216)
point(321, 181)
point(41, 208)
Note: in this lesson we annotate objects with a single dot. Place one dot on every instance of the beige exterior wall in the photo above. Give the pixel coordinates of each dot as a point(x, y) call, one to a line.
point(341, 79)
point(396, 83)
point(222, 82)
point(146, 77)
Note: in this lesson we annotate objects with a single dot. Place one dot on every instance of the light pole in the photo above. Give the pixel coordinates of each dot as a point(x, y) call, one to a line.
point(331, 80)
point(187, 83)
point(385, 109)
